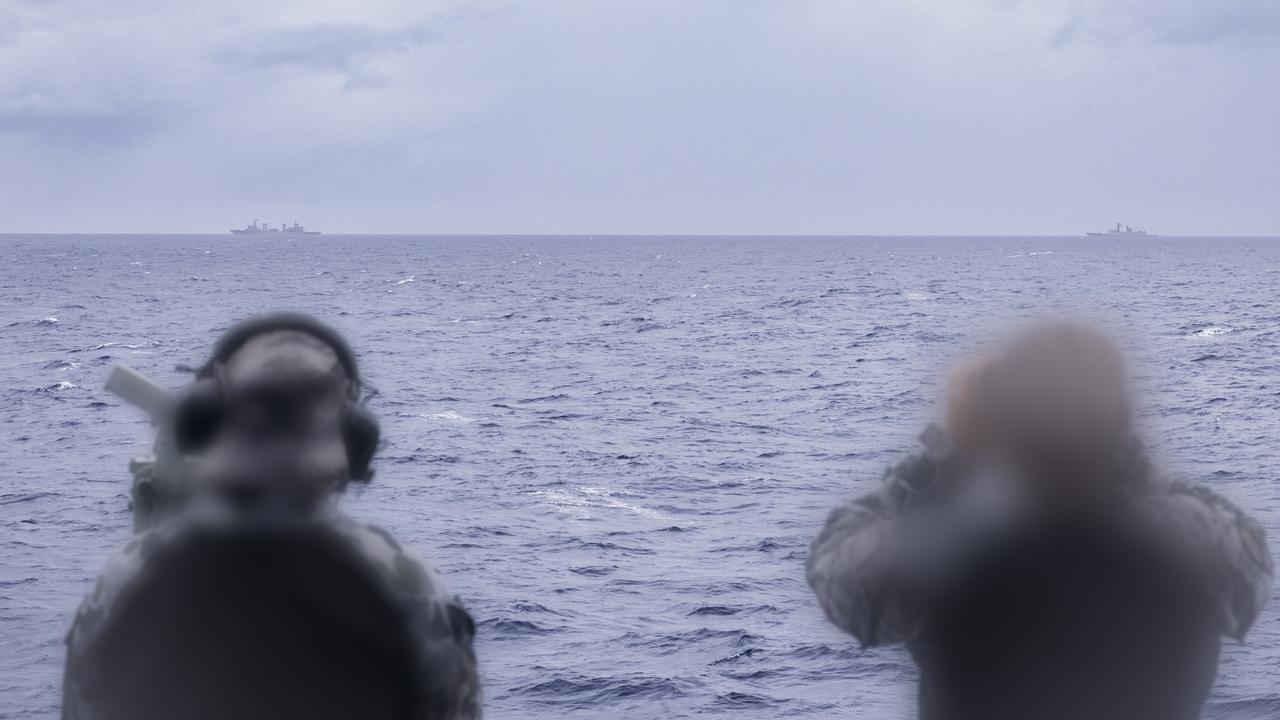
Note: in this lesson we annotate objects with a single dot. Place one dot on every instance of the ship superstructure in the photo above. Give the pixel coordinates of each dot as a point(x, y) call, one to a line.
point(256, 228)
point(1121, 230)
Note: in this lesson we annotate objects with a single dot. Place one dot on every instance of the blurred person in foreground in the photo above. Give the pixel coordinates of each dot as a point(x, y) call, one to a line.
point(1033, 561)
point(253, 597)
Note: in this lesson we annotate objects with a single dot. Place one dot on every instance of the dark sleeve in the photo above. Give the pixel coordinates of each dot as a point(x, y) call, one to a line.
point(862, 564)
point(449, 681)
point(1226, 546)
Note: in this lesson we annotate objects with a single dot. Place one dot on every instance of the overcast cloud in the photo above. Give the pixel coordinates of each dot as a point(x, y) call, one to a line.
point(636, 116)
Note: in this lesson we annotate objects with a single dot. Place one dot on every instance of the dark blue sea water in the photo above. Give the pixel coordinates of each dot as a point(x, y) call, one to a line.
point(617, 449)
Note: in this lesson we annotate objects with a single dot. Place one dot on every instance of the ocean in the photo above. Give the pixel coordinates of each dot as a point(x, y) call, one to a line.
point(617, 449)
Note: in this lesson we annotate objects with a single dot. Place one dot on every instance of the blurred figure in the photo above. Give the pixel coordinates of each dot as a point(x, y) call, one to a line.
point(1033, 561)
point(252, 597)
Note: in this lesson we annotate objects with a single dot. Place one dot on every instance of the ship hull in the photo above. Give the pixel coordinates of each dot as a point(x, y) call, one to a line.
point(275, 233)
point(1120, 231)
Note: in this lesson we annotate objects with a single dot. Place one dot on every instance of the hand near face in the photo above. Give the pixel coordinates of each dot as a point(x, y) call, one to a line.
point(967, 426)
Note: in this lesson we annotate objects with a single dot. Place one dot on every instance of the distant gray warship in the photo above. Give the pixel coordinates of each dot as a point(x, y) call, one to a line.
point(263, 229)
point(1121, 231)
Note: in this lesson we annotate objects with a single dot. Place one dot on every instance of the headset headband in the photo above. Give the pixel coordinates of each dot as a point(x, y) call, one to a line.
point(245, 330)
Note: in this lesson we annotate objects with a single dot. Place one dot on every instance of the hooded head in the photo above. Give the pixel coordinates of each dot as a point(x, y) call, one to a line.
point(1058, 403)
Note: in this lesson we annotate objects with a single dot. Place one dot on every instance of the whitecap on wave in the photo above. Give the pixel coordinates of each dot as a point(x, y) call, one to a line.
point(450, 416)
point(1210, 331)
point(446, 415)
point(581, 502)
point(915, 296)
point(127, 346)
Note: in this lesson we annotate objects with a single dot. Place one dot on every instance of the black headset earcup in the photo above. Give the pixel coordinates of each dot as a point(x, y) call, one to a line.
point(197, 416)
point(362, 434)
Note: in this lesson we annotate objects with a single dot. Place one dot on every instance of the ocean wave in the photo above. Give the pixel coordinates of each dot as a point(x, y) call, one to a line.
point(790, 303)
point(127, 346)
point(18, 581)
point(765, 545)
point(542, 398)
point(595, 692)
point(667, 642)
point(1250, 709)
point(40, 322)
point(15, 498)
point(745, 701)
point(611, 547)
point(1210, 331)
point(581, 501)
point(744, 654)
point(509, 627)
point(445, 415)
point(532, 607)
point(429, 459)
point(726, 610)
point(843, 653)
point(715, 610)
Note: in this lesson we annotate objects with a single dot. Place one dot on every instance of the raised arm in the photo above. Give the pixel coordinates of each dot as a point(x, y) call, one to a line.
point(1227, 545)
point(857, 565)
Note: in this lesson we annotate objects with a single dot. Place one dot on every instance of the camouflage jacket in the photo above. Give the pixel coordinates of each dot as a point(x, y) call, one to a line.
point(448, 686)
point(867, 563)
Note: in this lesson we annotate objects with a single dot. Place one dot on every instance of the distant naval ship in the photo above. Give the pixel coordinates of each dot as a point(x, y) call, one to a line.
point(1121, 231)
point(255, 229)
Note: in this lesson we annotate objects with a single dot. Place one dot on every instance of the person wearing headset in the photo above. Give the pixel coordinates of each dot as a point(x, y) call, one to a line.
point(252, 595)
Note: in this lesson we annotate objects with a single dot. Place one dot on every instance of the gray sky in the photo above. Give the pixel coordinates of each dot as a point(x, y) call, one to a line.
point(635, 116)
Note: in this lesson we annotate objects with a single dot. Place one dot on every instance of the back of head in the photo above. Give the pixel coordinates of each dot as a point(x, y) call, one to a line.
point(274, 419)
point(1058, 398)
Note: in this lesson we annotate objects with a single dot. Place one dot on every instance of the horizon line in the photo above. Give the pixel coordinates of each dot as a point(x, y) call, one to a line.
point(1081, 235)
